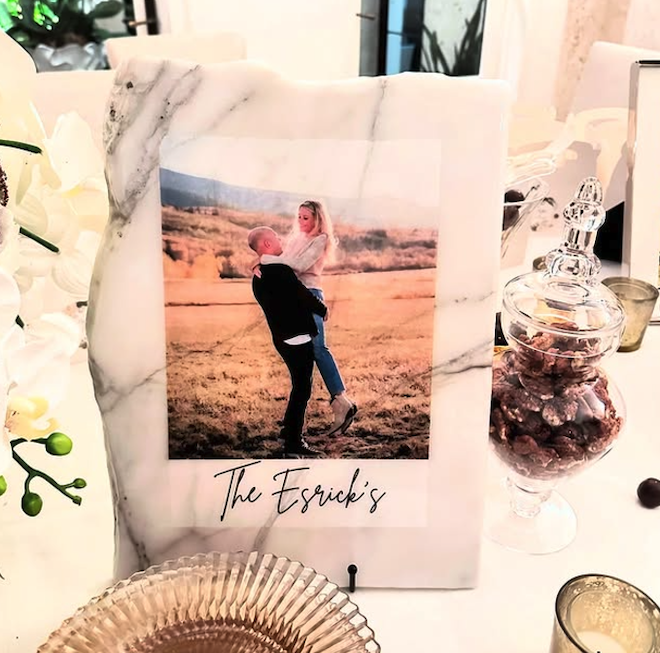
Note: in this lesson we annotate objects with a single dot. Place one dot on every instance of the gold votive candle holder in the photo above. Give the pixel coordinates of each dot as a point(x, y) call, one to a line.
point(638, 299)
point(603, 614)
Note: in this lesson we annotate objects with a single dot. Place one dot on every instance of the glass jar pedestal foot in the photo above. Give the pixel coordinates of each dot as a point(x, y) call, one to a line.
point(530, 520)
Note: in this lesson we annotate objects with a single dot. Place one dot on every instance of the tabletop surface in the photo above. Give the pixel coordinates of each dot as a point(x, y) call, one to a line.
point(55, 563)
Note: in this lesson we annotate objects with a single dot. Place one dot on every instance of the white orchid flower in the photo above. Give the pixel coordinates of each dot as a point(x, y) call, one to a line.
point(70, 220)
point(37, 366)
point(69, 216)
point(57, 195)
point(74, 164)
point(80, 195)
point(19, 120)
point(35, 361)
point(37, 369)
point(38, 363)
point(72, 272)
point(44, 241)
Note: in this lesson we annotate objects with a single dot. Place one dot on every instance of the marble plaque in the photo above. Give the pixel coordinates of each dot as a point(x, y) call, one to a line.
point(411, 168)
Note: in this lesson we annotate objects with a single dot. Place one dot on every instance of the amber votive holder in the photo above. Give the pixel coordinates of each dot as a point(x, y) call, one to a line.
point(638, 299)
point(603, 614)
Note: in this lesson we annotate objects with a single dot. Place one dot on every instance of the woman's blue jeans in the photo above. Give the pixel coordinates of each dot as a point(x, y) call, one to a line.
point(323, 357)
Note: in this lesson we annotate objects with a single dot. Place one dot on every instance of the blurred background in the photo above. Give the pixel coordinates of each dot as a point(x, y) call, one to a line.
point(394, 35)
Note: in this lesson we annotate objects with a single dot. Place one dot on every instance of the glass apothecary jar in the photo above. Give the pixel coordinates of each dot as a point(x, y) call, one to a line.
point(554, 410)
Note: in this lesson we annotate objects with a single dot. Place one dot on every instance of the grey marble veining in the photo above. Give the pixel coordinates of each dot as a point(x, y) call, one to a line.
point(164, 509)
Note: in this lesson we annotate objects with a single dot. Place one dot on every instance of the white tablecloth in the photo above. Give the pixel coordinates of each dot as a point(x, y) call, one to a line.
point(58, 561)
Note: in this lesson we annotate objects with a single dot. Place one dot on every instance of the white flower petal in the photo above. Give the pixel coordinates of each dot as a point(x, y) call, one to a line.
point(18, 118)
point(40, 368)
point(24, 279)
point(62, 219)
point(5, 448)
point(6, 227)
point(31, 213)
point(10, 301)
point(50, 381)
point(33, 300)
point(73, 274)
point(9, 245)
point(46, 212)
point(56, 327)
point(73, 152)
point(55, 300)
point(37, 169)
point(88, 243)
point(36, 260)
point(91, 207)
point(13, 340)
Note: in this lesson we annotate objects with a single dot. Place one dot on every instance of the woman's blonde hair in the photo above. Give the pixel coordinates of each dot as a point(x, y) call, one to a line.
point(322, 225)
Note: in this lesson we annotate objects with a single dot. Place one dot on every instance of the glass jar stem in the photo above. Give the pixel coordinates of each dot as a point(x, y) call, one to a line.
point(526, 502)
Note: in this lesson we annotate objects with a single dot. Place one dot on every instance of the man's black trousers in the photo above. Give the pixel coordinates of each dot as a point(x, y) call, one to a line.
point(300, 361)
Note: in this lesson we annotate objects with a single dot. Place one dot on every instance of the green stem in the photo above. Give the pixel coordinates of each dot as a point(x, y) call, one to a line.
point(38, 239)
point(20, 322)
point(18, 145)
point(32, 472)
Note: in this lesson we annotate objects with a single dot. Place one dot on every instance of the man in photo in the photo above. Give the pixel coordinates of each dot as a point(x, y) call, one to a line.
point(289, 308)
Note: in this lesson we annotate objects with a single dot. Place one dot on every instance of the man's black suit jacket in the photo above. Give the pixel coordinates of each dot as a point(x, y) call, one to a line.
point(287, 304)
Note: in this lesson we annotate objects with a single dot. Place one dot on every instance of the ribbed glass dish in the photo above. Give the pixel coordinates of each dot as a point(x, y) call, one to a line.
point(218, 603)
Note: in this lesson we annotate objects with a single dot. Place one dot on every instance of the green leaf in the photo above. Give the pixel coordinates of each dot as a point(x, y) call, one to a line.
point(14, 8)
point(6, 19)
point(44, 15)
point(106, 9)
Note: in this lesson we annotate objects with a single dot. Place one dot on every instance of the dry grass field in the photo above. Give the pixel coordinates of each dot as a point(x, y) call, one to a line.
point(227, 386)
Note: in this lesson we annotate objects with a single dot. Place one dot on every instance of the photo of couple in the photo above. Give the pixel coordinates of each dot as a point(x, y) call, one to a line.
point(287, 285)
point(293, 332)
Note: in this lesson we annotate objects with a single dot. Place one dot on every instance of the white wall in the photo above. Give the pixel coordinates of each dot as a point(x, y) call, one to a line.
point(523, 42)
point(643, 24)
point(304, 39)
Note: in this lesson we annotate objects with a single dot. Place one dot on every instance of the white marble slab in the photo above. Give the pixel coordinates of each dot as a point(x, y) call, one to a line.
point(168, 104)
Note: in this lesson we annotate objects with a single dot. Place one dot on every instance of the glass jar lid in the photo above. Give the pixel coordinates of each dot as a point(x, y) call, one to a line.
point(566, 298)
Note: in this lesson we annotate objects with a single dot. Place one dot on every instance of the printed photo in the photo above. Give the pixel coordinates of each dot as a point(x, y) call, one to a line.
point(297, 325)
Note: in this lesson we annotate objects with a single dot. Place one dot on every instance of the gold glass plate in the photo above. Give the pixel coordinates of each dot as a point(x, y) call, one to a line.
point(218, 603)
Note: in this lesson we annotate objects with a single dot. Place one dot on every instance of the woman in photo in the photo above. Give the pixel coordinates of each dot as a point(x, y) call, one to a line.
point(308, 249)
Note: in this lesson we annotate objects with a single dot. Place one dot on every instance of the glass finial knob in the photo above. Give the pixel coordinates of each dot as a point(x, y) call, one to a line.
point(583, 216)
point(586, 210)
